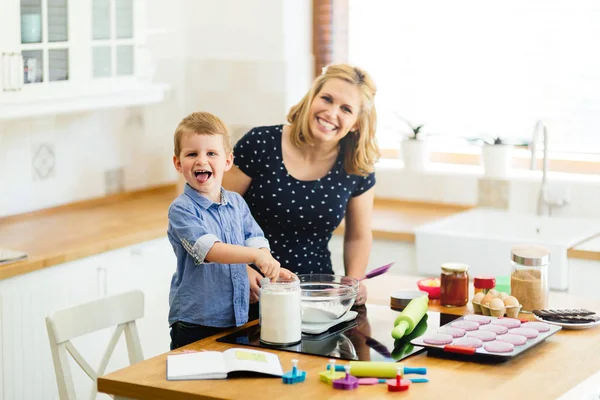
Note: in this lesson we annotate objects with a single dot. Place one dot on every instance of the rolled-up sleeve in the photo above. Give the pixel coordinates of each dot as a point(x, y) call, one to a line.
point(193, 234)
point(257, 242)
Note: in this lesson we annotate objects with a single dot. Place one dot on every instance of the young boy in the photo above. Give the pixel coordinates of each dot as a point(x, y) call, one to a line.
point(213, 236)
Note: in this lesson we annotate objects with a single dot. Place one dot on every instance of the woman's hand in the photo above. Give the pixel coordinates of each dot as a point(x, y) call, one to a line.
point(254, 277)
point(361, 297)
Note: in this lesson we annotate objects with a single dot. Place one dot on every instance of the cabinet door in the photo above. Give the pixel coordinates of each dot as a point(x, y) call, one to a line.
point(149, 267)
point(9, 26)
point(10, 55)
point(25, 301)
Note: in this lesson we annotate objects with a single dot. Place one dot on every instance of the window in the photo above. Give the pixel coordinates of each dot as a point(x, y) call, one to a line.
point(112, 38)
point(44, 41)
point(468, 68)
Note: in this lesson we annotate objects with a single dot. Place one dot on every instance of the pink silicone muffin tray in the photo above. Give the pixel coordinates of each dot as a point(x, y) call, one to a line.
point(480, 335)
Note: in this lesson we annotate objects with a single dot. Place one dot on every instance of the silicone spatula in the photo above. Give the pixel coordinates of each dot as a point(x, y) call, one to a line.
point(377, 271)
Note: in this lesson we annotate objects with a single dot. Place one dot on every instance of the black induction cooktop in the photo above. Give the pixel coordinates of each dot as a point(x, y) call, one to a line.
point(366, 338)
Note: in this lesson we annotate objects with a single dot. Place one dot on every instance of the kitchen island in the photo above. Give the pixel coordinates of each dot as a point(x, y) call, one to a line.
point(546, 371)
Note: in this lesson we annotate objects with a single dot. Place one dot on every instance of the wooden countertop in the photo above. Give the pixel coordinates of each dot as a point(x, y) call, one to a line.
point(545, 372)
point(78, 230)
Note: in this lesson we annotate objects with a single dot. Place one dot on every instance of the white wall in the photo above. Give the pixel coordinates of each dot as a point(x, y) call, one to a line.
point(245, 61)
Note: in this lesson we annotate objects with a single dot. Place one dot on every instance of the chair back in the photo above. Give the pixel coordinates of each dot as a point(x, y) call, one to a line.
point(120, 311)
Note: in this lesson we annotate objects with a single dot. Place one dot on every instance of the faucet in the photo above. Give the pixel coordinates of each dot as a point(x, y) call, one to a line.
point(544, 198)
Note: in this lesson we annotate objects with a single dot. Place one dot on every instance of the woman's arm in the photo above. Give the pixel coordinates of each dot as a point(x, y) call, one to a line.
point(358, 238)
point(236, 181)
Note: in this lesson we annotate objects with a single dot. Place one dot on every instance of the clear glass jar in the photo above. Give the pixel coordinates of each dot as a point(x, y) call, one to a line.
point(454, 285)
point(529, 276)
point(280, 312)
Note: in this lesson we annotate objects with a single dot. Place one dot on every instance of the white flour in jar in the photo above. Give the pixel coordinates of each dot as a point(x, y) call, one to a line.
point(280, 317)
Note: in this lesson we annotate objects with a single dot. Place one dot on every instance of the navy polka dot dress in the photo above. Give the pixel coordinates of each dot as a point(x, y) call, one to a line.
point(298, 217)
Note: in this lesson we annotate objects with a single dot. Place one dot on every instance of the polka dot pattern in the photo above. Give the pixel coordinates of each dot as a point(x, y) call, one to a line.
point(297, 217)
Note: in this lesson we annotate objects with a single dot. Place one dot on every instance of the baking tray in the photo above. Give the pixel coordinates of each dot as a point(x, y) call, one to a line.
point(480, 353)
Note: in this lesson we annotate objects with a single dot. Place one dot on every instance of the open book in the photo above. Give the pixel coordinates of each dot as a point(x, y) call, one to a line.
point(217, 365)
point(8, 256)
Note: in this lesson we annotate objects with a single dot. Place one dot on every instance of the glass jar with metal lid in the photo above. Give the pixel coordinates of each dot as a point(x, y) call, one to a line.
point(529, 276)
point(280, 311)
point(454, 285)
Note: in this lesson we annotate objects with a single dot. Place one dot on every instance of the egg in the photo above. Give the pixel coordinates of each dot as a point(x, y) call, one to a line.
point(494, 292)
point(486, 299)
point(511, 301)
point(503, 295)
point(496, 304)
point(478, 297)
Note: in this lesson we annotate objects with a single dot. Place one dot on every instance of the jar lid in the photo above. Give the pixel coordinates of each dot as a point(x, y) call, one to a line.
point(531, 255)
point(280, 283)
point(454, 267)
point(484, 282)
point(399, 300)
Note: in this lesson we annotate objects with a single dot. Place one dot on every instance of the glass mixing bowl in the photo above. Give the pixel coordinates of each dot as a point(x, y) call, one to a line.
point(326, 298)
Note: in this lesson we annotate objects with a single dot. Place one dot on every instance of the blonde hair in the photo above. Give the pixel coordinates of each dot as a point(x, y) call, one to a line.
point(201, 123)
point(360, 146)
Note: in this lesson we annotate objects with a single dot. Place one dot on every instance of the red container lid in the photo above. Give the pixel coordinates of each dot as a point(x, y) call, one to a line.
point(484, 282)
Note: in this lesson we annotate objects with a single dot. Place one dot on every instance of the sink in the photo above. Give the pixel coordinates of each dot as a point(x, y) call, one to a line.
point(482, 238)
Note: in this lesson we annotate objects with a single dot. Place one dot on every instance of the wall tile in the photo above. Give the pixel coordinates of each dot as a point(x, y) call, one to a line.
point(493, 193)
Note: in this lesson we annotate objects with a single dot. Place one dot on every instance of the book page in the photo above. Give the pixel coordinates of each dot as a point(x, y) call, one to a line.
point(239, 359)
point(200, 365)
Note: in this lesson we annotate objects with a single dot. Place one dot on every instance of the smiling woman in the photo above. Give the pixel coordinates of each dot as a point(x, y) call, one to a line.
point(300, 180)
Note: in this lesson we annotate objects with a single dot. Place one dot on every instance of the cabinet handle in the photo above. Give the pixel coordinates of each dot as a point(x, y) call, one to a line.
point(20, 71)
point(12, 72)
point(5, 71)
point(101, 281)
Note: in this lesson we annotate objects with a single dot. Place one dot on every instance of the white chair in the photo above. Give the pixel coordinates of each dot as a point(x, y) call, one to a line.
point(121, 310)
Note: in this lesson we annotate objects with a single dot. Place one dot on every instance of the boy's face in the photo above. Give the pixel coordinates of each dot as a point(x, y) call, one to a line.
point(203, 161)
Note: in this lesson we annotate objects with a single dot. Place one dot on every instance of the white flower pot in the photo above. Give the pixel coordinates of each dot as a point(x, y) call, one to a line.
point(415, 154)
point(497, 160)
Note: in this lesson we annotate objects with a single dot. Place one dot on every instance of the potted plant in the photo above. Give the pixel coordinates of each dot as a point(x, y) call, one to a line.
point(415, 151)
point(496, 157)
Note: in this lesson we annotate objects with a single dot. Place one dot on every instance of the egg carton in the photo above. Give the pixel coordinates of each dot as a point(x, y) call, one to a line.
point(497, 305)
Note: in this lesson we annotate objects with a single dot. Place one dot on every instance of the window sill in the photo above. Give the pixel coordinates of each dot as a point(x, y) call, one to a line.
point(568, 163)
point(476, 171)
point(132, 95)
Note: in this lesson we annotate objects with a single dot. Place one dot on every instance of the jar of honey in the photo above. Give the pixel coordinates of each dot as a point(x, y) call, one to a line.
point(454, 286)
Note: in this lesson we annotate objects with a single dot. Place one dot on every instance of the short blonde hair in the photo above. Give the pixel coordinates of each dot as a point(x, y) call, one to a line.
point(201, 123)
point(360, 146)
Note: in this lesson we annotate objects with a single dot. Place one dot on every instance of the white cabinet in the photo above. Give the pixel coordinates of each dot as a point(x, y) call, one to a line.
point(584, 276)
point(25, 301)
point(60, 56)
point(149, 267)
point(27, 369)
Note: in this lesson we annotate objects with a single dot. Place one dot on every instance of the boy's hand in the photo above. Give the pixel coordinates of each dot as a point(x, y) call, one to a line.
point(286, 273)
point(255, 277)
point(267, 264)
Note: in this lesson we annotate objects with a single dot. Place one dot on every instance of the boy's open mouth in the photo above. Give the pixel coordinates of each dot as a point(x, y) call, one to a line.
point(202, 176)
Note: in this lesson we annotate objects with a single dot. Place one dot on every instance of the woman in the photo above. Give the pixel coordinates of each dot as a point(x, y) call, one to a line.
point(300, 180)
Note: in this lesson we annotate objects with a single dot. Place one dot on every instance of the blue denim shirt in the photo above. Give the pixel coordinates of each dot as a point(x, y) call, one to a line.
point(207, 293)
